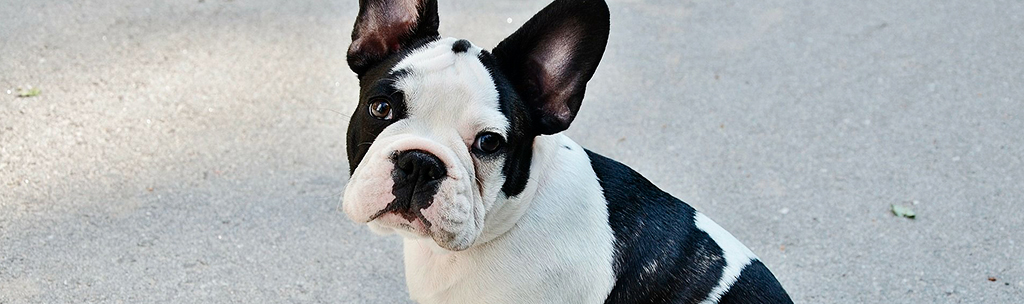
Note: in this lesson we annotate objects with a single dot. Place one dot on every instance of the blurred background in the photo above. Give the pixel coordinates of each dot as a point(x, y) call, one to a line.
point(193, 151)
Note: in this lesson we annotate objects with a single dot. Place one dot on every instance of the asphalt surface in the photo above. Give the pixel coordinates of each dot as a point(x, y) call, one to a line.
point(193, 151)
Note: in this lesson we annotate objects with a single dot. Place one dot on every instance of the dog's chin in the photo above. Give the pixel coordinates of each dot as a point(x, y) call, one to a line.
point(417, 231)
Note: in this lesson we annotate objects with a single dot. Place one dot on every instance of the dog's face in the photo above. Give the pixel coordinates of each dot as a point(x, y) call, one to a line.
point(430, 141)
point(443, 131)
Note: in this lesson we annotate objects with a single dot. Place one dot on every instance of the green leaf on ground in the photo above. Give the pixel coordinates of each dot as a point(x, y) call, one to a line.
point(33, 92)
point(902, 211)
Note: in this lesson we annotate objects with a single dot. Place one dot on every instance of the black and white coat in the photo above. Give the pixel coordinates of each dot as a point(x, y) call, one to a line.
point(459, 150)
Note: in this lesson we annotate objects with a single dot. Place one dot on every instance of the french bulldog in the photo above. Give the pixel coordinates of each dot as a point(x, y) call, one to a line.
point(459, 150)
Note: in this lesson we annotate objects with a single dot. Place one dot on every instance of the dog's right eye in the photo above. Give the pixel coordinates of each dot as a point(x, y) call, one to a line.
point(380, 108)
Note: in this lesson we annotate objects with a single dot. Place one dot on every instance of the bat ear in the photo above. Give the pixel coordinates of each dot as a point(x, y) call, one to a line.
point(550, 59)
point(385, 27)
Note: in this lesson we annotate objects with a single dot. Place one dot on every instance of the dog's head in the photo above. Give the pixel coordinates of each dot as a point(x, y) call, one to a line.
point(443, 132)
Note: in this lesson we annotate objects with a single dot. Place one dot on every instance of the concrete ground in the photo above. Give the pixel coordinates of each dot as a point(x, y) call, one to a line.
point(192, 151)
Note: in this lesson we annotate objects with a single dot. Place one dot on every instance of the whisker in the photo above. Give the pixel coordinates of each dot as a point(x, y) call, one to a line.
point(337, 112)
point(341, 198)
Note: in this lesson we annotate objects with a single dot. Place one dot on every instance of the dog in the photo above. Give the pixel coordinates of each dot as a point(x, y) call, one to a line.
point(458, 150)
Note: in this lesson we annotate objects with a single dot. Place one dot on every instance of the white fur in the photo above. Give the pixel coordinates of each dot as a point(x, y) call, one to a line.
point(559, 251)
point(736, 255)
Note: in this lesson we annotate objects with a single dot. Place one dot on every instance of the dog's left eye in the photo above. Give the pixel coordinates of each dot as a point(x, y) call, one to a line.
point(380, 108)
point(488, 143)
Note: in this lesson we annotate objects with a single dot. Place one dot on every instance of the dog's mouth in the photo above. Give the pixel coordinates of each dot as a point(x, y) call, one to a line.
point(406, 214)
point(394, 214)
point(407, 209)
point(415, 226)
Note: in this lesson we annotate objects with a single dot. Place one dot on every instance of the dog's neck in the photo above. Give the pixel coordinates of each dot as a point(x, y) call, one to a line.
point(507, 211)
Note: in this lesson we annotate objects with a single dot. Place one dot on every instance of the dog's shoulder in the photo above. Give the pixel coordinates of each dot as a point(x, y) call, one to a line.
point(667, 252)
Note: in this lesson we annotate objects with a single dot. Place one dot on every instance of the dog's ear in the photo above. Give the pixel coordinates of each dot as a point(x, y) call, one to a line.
point(384, 27)
point(550, 59)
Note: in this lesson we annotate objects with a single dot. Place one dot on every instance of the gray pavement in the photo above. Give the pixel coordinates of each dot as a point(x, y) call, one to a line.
point(192, 151)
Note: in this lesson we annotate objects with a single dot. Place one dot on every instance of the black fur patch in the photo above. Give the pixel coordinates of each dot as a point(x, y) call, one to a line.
point(461, 46)
point(519, 147)
point(651, 226)
point(755, 285)
point(376, 82)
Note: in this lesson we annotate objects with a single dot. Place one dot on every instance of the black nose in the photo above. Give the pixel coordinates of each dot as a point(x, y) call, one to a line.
point(419, 167)
point(417, 177)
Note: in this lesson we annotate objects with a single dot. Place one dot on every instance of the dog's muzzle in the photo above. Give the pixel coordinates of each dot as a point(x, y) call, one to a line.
point(418, 188)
